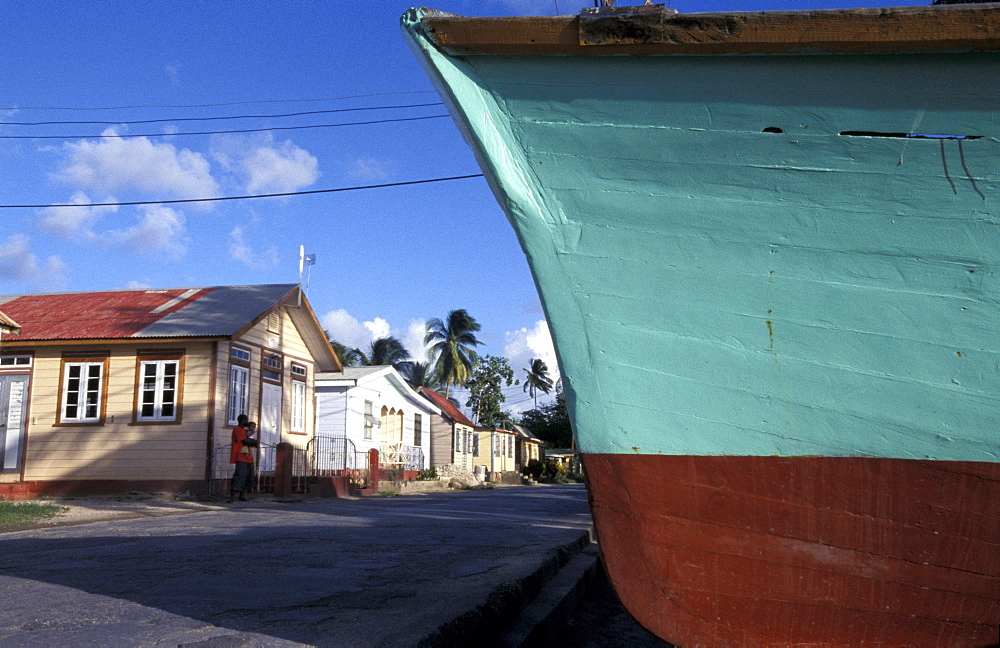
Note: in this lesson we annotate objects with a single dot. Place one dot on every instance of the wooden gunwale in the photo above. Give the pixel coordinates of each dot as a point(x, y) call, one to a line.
point(939, 28)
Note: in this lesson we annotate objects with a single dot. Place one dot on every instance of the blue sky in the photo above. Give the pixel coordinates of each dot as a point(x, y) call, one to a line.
point(387, 259)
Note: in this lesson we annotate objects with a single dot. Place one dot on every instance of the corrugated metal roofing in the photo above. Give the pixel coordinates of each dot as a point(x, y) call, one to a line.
point(453, 412)
point(220, 311)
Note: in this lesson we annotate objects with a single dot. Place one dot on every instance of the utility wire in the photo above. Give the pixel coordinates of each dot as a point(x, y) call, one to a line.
point(217, 118)
point(221, 198)
point(228, 103)
point(222, 132)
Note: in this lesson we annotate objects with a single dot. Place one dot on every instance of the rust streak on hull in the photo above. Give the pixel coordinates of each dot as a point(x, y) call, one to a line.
point(804, 551)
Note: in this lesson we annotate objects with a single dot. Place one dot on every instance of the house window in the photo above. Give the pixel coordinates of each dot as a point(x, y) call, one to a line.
point(458, 440)
point(475, 445)
point(510, 447)
point(496, 444)
point(15, 361)
point(82, 391)
point(298, 406)
point(239, 391)
point(272, 368)
point(239, 354)
point(417, 431)
point(369, 420)
point(159, 395)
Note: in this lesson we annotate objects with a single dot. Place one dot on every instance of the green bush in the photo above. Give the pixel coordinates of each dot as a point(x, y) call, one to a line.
point(534, 469)
point(428, 474)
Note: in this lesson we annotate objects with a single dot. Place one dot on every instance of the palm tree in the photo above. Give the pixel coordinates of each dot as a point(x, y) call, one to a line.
point(348, 357)
point(452, 345)
point(384, 351)
point(419, 374)
point(537, 379)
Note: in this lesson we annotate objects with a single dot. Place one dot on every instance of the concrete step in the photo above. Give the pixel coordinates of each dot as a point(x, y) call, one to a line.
point(544, 620)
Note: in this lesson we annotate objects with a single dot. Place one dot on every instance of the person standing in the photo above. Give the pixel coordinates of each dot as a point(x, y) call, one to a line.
point(241, 455)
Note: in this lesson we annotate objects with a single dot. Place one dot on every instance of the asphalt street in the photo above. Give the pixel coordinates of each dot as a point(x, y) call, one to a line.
point(385, 571)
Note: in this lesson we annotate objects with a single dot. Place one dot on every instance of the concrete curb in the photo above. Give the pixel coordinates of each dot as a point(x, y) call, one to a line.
point(489, 623)
point(544, 620)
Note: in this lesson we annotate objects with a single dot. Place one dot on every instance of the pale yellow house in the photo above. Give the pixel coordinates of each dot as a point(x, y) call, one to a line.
point(528, 448)
point(139, 389)
point(498, 452)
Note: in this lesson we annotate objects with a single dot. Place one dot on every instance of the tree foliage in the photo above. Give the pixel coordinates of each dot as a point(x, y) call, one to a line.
point(537, 379)
point(420, 374)
point(489, 376)
point(550, 423)
point(383, 351)
point(452, 345)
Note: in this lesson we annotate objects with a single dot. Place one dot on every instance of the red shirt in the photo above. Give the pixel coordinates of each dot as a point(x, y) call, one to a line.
point(234, 452)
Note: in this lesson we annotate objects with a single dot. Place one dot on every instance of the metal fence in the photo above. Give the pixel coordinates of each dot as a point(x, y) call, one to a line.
point(264, 463)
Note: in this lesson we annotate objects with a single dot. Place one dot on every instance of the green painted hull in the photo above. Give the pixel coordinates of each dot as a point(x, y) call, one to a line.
point(741, 256)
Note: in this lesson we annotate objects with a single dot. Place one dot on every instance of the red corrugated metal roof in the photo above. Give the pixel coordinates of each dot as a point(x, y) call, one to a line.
point(96, 315)
point(453, 412)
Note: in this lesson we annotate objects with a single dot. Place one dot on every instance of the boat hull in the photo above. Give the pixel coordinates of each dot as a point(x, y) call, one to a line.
point(830, 551)
point(773, 284)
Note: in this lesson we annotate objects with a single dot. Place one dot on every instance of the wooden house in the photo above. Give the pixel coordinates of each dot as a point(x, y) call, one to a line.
point(139, 389)
point(373, 408)
point(454, 441)
point(497, 452)
point(528, 447)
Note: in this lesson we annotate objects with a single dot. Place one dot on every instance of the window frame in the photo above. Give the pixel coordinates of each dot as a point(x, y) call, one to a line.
point(298, 422)
point(85, 362)
point(369, 416)
point(418, 429)
point(272, 366)
point(161, 359)
point(240, 359)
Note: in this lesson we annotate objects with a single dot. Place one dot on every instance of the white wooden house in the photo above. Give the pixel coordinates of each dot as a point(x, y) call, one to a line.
point(374, 408)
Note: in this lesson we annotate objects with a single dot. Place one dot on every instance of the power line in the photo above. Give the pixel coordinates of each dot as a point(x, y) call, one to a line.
point(222, 132)
point(216, 118)
point(221, 198)
point(227, 103)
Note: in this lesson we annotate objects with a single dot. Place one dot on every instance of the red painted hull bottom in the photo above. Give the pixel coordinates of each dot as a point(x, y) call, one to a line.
point(805, 551)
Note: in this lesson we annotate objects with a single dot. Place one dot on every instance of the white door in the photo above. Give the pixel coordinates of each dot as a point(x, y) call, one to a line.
point(270, 424)
point(13, 403)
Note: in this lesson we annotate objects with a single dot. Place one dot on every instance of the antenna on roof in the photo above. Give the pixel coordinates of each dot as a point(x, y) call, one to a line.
point(306, 262)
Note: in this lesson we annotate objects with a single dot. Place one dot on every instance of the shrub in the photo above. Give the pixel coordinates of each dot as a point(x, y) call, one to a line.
point(427, 474)
point(534, 469)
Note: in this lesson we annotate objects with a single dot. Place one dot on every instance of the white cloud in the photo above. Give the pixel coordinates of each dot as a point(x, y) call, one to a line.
point(74, 222)
point(352, 333)
point(279, 169)
point(160, 229)
point(379, 328)
point(370, 169)
point(413, 340)
point(346, 329)
point(113, 165)
point(138, 285)
point(19, 263)
point(243, 252)
point(523, 345)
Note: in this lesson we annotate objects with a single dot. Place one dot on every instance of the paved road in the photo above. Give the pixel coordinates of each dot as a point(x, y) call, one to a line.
point(368, 572)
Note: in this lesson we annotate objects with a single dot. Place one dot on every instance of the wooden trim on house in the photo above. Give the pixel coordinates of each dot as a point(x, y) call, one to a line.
point(651, 31)
point(10, 344)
